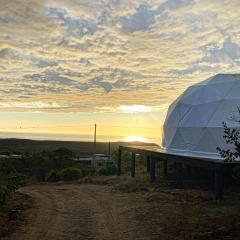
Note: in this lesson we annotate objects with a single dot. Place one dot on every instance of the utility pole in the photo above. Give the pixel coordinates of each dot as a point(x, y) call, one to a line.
point(109, 149)
point(95, 137)
point(94, 143)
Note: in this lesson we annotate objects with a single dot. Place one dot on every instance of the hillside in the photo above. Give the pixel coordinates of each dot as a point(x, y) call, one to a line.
point(83, 148)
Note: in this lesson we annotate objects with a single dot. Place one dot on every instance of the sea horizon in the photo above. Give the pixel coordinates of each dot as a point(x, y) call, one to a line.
point(70, 137)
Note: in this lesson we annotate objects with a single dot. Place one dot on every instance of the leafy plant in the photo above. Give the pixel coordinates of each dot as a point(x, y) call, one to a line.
point(5, 194)
point(10, 184)
point(107, 170)
point(232, 136)
point(70, 174)
point(88, 171)
point(53, 176)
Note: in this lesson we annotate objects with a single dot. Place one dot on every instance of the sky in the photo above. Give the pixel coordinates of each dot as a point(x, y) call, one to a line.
point(67, 64)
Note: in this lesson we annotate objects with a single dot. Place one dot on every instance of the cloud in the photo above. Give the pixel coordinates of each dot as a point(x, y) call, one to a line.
point(229, 52)
point(139, 21)
point(7, 53)
point(83, 53)
point(174, 4)
point(32, 105)
point(77, 27)
point(16, 55)
point(144, 15)
point(56, 78)
point(106, 79)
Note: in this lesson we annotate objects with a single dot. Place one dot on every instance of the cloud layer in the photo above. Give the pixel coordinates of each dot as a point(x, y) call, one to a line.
point(86, 56)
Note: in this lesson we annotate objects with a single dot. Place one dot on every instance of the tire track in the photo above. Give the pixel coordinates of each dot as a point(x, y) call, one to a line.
point(71, 211)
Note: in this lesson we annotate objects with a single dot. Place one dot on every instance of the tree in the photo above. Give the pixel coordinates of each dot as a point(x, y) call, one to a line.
point(232, 136)
point(61, 158)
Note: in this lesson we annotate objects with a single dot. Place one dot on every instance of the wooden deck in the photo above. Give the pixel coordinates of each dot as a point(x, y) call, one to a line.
point(153, 154)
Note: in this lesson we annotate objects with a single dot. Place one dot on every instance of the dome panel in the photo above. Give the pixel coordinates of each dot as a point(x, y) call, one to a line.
point(170, 133)
point(178, 140)
point(200, 115)
point(223, 78)
point(192, 95)
point(203, 145)
point(216, 91)
point(224, 112)
point(191, 136)
point(233, 93)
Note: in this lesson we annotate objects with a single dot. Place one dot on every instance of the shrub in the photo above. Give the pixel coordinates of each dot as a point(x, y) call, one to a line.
point(107, 170)
point(5, 193)
point(88, 171)
point(9, 185)
point(61, 158)
point(16, 180)
point(70, 174)
point(53, 176)
point(232, 137)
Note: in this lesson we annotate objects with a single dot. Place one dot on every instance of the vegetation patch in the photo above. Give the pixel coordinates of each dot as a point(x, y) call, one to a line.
point(107, 170)
point(8, 185)
point(70, 174)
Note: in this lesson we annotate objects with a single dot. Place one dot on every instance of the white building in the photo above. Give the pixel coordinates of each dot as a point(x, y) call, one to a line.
point(193, 125)
point(96, 159)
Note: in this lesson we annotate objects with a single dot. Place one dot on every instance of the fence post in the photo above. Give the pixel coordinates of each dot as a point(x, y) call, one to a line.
point(179, 166)
point(152, 170)
point(119, 163)
point(218, 183)
point(133, 165)
point(165, 168)
point(148, 164)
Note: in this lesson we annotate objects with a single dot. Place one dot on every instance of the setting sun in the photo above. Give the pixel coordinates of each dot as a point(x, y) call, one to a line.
point(135, 139)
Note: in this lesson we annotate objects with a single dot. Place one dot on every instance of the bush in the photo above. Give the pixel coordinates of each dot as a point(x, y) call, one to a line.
point(107, 170)
point(232, 136)
point(70, 174)
point(52, 176)
point(9, 185)
point(88, 171)
point(5, 194)
point(16, 180)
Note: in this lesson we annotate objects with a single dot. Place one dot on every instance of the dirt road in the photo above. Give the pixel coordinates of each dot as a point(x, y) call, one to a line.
point(71, 211)
point(117, 211)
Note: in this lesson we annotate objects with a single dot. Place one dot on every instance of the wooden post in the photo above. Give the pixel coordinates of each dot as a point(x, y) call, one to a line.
point(119, 165)
point(165, 168)
point(188, 171)
point(218, 183)
point(94, 146)
point(109, 149)
point(152, 170)
point(148, 164)
point(133, 165)
point(179, 174)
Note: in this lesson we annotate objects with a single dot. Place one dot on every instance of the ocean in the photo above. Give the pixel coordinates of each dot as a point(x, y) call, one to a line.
point(70, 137)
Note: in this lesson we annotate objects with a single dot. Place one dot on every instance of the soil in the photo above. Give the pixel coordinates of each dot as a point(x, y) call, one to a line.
point(107, 211)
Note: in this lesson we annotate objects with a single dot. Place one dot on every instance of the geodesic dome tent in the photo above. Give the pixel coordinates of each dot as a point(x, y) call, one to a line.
point(193, 125)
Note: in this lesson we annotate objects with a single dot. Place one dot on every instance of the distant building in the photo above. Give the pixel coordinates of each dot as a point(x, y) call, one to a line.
point(97, 159)
point(10, 155)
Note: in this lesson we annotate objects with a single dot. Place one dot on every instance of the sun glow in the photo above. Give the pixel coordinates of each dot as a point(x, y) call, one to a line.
point(135, 108)
point(135, 139)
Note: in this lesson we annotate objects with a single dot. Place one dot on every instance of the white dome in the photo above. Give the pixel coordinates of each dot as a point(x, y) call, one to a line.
point(193, 125)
